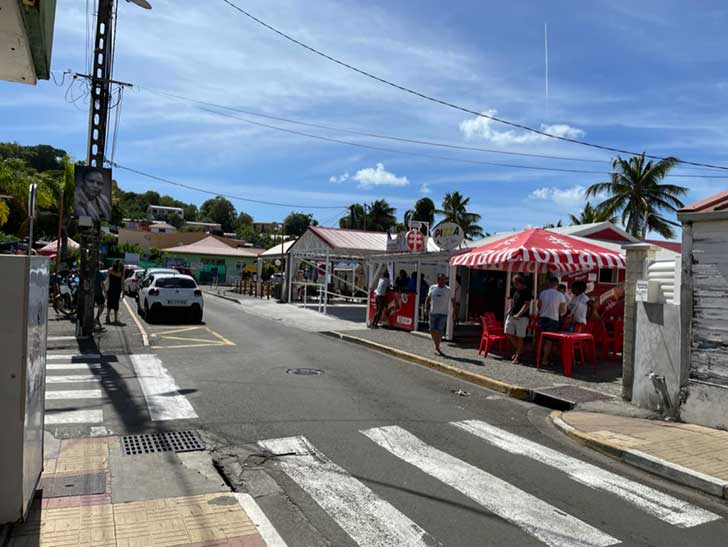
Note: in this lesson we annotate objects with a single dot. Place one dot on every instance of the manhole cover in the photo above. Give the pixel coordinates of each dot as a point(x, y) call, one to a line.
point(171, 441)
point(305, 371)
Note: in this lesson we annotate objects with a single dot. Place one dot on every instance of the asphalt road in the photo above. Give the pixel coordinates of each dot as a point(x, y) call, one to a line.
point(370, 481)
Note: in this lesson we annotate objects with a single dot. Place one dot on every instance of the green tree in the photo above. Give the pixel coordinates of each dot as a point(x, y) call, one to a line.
point(424, 211)
point(637, 195)
point(455, 209)
point(380, 217)
point(244, 219)
point(297, 223)
point(221, 211)
point(249, 235)
point(356, 217)
point(590, 215)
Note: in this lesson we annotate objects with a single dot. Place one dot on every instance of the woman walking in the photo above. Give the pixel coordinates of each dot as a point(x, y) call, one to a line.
point(116, 274)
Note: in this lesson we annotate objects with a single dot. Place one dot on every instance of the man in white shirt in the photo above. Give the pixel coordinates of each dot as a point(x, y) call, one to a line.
point(551, 306)
point(437, 305)
point(380, 299)
point(579, 305)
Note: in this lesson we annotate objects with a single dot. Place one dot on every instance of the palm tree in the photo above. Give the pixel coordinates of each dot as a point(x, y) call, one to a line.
point(381, 216)
point(423, 211)
point(454, 208)
point(356, 217)
point(635, 192)
point(590, 215)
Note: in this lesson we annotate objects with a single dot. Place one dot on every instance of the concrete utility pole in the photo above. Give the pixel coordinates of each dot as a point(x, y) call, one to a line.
point(100, 79)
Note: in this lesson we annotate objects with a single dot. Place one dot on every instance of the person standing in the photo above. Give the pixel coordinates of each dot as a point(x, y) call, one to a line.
point(438, 306)
point(517, 319)
point(401, 283)
point(551, 306)
point(99, 293)
point(380, 299)
point(579, 306)
point(116, 274)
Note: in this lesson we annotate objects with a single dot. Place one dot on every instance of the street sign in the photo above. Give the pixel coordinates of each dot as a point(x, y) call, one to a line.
point(32, 199)
point(448, 236)
point(415, 240)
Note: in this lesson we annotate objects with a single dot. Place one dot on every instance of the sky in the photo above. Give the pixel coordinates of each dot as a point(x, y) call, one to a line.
point(643, 76)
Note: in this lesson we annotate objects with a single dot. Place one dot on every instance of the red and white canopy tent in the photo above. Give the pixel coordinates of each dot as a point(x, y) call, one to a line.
point(537, 251)
point(52, 247)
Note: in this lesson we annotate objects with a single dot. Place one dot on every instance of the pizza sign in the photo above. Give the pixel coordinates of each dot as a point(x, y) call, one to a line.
point(447, 235)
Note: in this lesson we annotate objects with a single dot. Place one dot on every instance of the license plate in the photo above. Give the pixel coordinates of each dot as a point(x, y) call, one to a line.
point(177, 302)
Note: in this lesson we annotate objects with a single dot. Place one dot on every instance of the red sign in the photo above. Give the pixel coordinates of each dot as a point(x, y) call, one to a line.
point(415, 240)
point(400, 310)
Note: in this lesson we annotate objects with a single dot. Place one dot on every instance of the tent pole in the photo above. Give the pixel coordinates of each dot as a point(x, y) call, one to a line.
point(326, 282)
point(508, 290)
point(417, 299)
point(450, 329)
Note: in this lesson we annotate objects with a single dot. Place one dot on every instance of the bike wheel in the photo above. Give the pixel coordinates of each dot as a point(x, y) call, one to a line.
point(64, 305)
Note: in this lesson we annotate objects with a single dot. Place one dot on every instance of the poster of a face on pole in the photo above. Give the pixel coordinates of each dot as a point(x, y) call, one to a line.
point(92, 193)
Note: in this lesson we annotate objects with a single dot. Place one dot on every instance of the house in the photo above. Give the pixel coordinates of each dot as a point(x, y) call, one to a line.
point(161, 228)
point(147, 240)
point(204, 226)
point(266, 227)
point(212, 259)
point(26, 40)
point(160, 212)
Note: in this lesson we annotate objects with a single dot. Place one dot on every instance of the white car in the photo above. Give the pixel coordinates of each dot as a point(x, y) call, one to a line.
point(162, 291)
point(131, 283)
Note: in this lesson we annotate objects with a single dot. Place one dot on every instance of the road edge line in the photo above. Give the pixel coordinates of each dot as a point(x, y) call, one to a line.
point(511, 390)
point(636, 458)
point(145, 337)
point(267, 531)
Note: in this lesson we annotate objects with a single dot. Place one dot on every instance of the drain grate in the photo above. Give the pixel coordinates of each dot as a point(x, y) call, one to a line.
point(171, 441)
point(305, 371)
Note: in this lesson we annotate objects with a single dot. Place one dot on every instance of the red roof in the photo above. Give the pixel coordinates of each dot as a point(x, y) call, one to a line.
point(540, 250)
point(718, 202)
point(674, 246)
point(340, 238)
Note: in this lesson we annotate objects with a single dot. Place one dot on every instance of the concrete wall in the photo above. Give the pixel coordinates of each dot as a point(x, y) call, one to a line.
point(657, 350)
point(706, 405)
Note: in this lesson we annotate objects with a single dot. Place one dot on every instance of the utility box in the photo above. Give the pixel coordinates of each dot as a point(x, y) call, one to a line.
point(23, 331)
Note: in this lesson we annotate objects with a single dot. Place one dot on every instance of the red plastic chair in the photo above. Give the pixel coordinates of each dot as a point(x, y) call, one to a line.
point(489, 338)
point(494, 326)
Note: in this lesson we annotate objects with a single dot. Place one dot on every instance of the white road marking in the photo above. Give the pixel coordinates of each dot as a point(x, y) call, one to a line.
point(74, 394)
point(654, 502)
point(72, 379)
point(59, 338)
point(145, 338)
point(160, 390)
point(255, 514)
point(547, 523)
point(74, 417)
point(88, 367)
point(71, 356)
point(367, 518)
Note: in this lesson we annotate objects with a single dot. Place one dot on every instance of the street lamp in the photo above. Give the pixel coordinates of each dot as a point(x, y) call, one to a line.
point(141, 3)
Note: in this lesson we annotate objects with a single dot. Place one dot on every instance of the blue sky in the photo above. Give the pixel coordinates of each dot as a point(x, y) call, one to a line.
point(645, 76)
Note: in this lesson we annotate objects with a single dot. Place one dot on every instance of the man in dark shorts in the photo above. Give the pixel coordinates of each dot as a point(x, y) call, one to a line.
point(551, 306)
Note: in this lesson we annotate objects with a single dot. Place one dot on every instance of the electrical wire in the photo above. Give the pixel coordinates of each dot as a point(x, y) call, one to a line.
point(430, 156)
point(407, 140)
point(453, 105)
point(229, 196)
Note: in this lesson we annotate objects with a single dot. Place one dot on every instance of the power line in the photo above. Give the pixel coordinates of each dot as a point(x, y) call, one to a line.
point(429, 156)
point(450, 104)
point(229, 196)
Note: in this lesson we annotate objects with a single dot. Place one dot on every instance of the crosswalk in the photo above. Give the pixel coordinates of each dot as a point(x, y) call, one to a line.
point(372, 521)
point(87, 390)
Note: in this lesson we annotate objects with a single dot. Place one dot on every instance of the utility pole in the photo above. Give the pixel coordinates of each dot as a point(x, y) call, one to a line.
point(100, 79)
point(59, 243)
point(98, 118)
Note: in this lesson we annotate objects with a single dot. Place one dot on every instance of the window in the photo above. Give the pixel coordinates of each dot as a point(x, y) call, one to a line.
point(609, 276)
point(175, 283)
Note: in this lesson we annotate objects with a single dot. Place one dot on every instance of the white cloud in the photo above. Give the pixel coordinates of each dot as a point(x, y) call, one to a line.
point(340, 178)
point(425, 188)
point(563, 197)
point(378, 176)
point(485, 129)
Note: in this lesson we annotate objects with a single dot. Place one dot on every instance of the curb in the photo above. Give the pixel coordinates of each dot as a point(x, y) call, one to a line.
point(646, 462)
point(228, 298)
point(514, 391)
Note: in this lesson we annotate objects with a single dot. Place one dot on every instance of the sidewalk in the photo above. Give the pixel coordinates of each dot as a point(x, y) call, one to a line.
point(92, 493)
point(597, 388)
point(689, 454)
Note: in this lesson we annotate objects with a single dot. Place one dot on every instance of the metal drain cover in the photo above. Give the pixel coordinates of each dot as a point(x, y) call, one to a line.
point(171, 441)
point(305, 371)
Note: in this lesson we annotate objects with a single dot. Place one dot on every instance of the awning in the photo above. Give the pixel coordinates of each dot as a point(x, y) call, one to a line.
point(539, 250)
point(52, 247)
